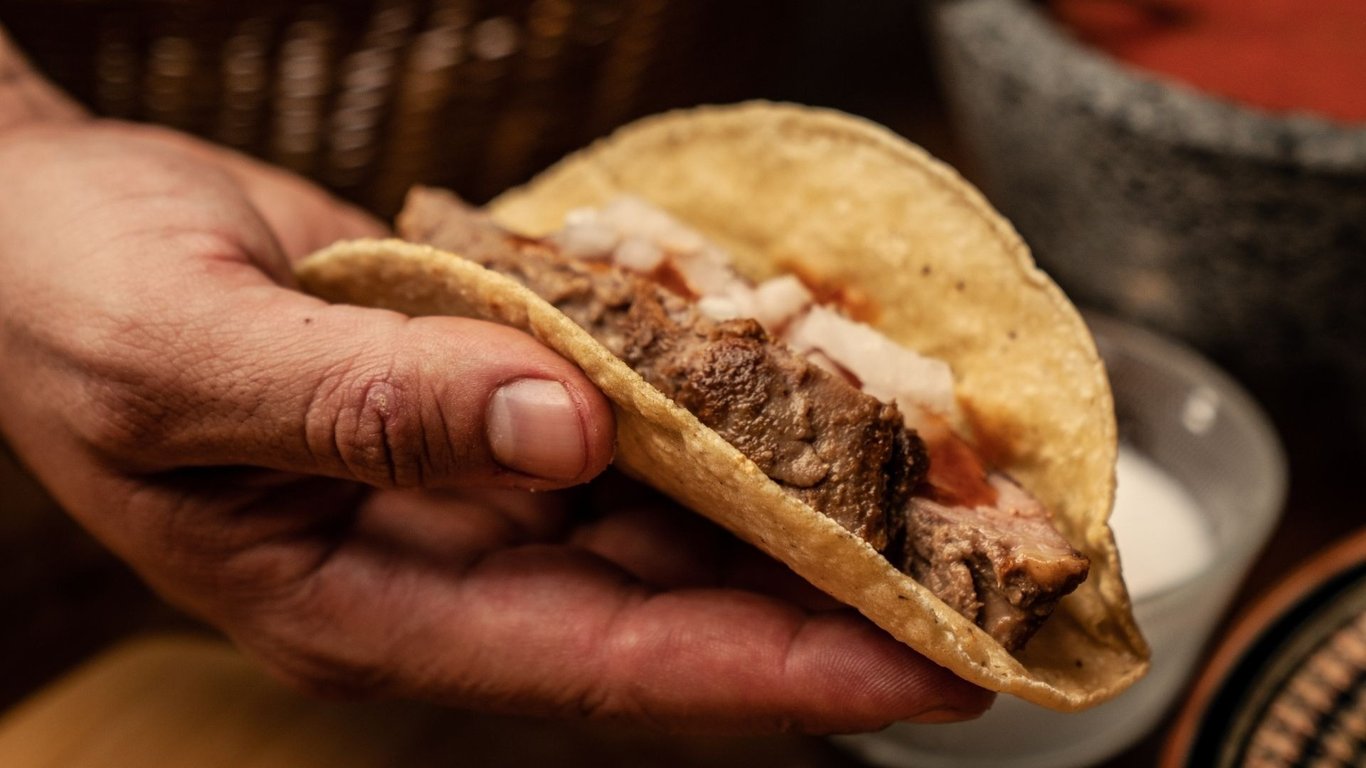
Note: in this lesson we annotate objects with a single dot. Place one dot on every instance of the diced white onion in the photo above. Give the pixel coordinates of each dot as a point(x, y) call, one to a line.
point(586, 237)
point(885, 369)
point(633, 216)
point(638, 254)
point(581, 216)
point(641, 237)
point(822, 360)
point(707, 272)
point(718, 307)
point(778, 300)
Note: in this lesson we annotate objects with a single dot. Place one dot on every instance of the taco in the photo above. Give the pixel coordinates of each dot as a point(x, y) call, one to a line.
point(874, 385)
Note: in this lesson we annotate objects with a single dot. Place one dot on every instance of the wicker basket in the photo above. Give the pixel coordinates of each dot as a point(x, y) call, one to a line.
point(371, 96)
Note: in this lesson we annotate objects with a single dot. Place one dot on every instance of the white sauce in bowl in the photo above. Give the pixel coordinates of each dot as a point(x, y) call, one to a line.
point(1163, 536)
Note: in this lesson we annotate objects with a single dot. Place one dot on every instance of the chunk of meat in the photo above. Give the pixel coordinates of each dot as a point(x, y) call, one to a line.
point(1001, 564)
point(799, 423)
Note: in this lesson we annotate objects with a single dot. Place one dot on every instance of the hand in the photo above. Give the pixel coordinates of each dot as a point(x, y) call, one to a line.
point(341, 489)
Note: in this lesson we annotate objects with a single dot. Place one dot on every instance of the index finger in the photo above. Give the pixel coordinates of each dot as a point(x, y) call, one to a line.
point(554, 629)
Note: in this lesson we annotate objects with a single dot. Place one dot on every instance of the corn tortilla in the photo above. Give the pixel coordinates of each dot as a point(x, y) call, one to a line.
point(842, 201)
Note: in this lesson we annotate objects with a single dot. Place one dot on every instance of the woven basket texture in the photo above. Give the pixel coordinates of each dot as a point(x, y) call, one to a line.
point(371, 96)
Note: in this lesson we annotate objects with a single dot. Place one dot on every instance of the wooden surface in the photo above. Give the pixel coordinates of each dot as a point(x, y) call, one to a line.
point(192, 701)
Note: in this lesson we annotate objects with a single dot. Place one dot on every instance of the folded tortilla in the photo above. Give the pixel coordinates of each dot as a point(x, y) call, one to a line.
point(844, 203)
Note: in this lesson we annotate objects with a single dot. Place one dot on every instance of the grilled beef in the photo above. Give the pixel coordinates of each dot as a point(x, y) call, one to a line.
point(996, 560)
point(1003, 566)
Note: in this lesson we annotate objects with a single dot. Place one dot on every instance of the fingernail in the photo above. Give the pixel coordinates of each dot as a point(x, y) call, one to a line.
point(534, 428)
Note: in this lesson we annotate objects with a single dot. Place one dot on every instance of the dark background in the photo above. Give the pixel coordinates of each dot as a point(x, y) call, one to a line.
point(338, 91)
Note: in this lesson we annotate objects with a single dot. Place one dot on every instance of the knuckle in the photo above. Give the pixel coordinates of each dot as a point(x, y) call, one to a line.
point(253, 574)
point(130, 409)
point(139, 394)
point(121, 420)
point(602, 702)
point(593, 702)
point(315, 669)
point(372, 423)
point(302, 640)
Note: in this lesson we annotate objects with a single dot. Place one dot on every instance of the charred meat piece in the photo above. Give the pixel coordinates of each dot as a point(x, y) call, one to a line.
point(981, 543)
point(1001, 565)
point(850, 457)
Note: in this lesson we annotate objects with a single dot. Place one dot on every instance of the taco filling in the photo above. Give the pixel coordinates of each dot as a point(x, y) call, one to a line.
point(839, 416)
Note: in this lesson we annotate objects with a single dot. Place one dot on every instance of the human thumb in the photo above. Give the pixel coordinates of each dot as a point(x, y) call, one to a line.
point(288, 382)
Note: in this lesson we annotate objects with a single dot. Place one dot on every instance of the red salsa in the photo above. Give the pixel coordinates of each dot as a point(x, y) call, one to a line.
point(957, 477)
point(1279, 55)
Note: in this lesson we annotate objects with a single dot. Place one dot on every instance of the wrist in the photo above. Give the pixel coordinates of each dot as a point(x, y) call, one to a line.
point(25, 96)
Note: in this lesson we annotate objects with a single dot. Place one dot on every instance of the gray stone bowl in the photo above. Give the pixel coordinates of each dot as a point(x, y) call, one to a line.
point(1241, 231)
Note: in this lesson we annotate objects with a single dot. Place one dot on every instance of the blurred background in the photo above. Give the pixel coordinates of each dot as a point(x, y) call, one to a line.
point(370, 96)
point(1152, 195)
